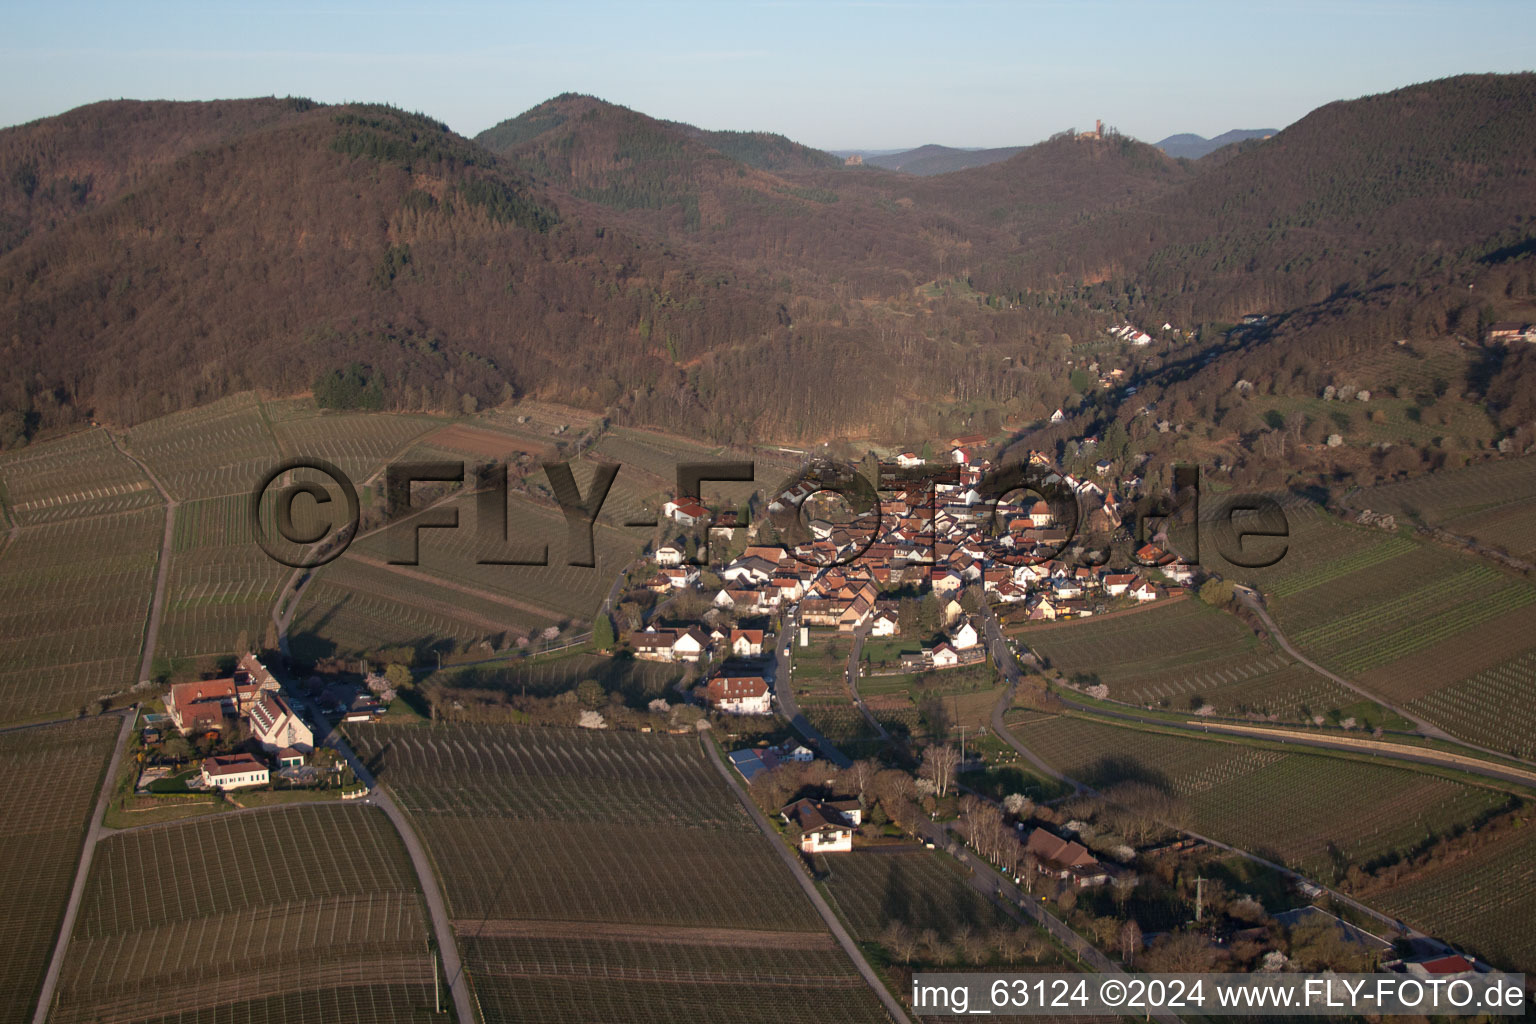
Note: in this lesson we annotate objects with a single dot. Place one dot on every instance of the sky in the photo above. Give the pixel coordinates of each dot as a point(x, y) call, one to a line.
point(831, 74)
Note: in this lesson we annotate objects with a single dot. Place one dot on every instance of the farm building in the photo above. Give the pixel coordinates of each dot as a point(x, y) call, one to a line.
point(1063, 859)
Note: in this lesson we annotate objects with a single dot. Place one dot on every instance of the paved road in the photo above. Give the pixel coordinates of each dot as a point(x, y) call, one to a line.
point(784, 694)
point(854, 651)
point(442, 927)
point(990, 882)
point(790, 858)
point(1403, 753)
point(162, 570)
point(1008, 668)
point(93, 835)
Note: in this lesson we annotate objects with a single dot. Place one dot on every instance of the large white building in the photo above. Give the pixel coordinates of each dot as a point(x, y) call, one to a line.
point(275, 725)
point(234, 771)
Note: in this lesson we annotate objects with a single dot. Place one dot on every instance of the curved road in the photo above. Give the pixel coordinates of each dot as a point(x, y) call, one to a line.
point(1254, 600)
point(1402, 753)
point(453, 967)
point(855, 649)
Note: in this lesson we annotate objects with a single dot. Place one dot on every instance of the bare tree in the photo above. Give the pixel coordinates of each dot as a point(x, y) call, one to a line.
point(939, 764)
point(900, 938)
point(1130, 941)
point(861, 776)
point(1124, 884)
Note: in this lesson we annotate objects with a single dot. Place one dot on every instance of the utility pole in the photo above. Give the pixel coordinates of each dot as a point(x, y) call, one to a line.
point(1199, 898)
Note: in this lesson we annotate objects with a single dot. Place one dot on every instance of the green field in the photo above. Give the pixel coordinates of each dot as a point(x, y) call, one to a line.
point(1181, 654)
point(1315, 813)
point(79, 475)
point(281, 914)
point(1491, 502)
point(545, 835)
point(1484, 902)
point(217, 449)
point(357, 443)
point(917, 887)
point(1402, 617)
point(53, 776)
point(74, 598)
point(1495, 707)
point(221, 584)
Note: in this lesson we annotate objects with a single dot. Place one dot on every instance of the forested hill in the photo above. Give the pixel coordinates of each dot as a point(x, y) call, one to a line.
point(1398, 188)
point(314, 238)
point(735, 285)
point(1193, 147)
point(932, 159)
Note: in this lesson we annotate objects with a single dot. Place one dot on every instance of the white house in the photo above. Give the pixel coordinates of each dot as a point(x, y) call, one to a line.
point(739, 695)
point(885, 624)
point(909, 460)
point(234, 771)
point(965, 636)
point(1117, 583)
point(681, 576)
point(686, 511)
point(823, 827)
point(668, 556)
point(945, 656)
point(275, 725)
point(1144, 591)
point(689, 644)
point(746, 643)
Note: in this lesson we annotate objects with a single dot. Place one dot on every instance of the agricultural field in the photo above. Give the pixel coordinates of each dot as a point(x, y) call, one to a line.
point(355, 607)
point(74, 598)
point(1316, 813)
point(1183, 654)
point(1494, 707)
point(659, 978)
point(553, 591)
point(221, 584)
point(359, 444)
point(53, 775)
point(1484, 903)
point(1402, 617)
point(217, 449)
point(83, 474)
point(917, 887)
point(1491, 502)
point(668, 858)
point(281, 915)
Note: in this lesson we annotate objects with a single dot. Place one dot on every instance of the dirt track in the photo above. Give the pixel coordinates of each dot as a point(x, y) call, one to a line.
point(526, 929)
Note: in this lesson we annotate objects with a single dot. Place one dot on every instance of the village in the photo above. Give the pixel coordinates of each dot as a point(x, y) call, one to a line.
point(935, 540)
